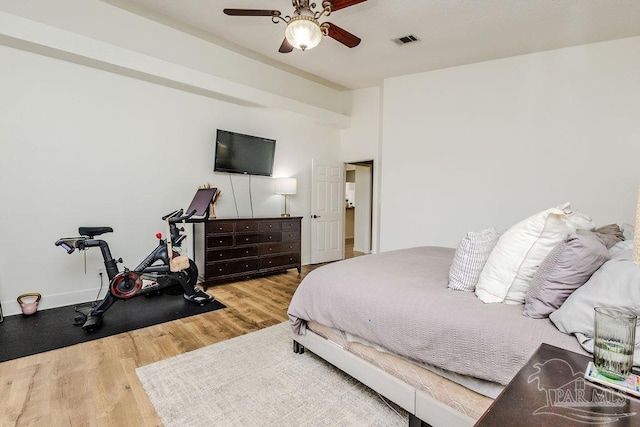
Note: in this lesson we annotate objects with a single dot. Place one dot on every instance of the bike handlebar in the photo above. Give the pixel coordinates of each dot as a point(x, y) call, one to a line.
point(172, 214)
point(70, 244)
point(177, 216)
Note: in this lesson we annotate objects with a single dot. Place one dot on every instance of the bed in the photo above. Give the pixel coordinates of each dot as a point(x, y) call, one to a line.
point(391, 321)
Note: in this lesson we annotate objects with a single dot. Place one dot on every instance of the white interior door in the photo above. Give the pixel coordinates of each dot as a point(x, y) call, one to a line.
point(327, 211)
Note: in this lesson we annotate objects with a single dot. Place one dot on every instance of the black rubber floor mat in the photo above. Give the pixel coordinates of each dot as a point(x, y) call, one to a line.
point(51, 329)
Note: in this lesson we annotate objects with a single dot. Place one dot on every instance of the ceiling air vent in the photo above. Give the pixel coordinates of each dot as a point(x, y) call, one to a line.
point(406, 39)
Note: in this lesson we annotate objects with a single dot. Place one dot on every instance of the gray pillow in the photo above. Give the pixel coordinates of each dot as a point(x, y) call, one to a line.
point(615, 284)
point(609, 234)
point(567, 267)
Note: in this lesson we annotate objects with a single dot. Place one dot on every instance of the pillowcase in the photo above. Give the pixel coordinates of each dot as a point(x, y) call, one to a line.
point(615, 284)
point(521, 250)
point(625, 245)
point(518, 253)
point(628, 231)
point(609, 234)
point(567, 267)
point(470, 257)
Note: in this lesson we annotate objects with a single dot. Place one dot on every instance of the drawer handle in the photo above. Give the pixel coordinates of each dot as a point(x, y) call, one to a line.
point(246, 266)
point(270, 237)
point(221, 255)
point(220, 228)
point(246, 252)
point(220, 269)
point(270, 262)
point(220, 241)
point(270, 249)
point(246, 226)
point(246, 240)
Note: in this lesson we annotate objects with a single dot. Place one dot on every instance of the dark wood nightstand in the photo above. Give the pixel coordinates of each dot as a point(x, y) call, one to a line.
point(550, 390)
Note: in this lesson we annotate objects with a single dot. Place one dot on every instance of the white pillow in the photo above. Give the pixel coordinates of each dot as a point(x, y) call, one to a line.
point(520, 251)
point(470, 257)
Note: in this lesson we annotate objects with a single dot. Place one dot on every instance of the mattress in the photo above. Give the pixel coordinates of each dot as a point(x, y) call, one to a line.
point(451, 393)
point(399, 300)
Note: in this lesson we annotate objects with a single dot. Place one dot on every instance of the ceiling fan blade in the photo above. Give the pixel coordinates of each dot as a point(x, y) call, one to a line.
point(341, 4)
point(251, 12)
point(285, 47)
point(343, 36)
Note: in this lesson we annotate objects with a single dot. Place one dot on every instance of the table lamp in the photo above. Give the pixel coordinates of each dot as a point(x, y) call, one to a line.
point(286, 187)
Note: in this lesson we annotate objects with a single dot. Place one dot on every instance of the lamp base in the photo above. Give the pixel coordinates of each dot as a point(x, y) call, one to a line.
point(285, 214)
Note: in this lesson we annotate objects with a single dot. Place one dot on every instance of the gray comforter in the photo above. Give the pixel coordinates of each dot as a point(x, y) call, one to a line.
point(400, 301)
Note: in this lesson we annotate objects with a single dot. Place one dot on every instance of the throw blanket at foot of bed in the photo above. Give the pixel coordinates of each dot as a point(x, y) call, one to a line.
point(400, 301)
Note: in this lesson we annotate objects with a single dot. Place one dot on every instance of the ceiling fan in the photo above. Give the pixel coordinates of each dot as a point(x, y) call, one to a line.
point(304, 31)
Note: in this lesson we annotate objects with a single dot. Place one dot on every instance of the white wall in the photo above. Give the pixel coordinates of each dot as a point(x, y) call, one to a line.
point(490, 143)
point(104, 23)
point(81, 146)
point(361, 142)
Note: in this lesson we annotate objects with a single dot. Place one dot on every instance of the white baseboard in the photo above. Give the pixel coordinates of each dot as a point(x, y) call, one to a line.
point(10, 308)
point(367, 251)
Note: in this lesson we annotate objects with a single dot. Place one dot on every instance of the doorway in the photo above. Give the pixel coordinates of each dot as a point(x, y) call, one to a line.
point(358, 208)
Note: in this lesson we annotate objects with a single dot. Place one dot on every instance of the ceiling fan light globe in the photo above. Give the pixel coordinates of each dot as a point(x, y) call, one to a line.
point(303, 32)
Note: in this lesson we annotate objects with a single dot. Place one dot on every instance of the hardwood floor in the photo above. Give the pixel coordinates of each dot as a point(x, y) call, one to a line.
point(95, 383)
point(348, 249)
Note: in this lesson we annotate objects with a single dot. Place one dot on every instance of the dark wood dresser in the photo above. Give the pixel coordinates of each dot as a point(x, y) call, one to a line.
point(235, 249)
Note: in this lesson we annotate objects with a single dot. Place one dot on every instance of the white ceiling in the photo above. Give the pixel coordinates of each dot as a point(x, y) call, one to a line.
point(451, 32)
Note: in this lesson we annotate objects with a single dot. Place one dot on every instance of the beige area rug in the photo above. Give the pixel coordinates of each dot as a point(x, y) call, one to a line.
point(257, 380)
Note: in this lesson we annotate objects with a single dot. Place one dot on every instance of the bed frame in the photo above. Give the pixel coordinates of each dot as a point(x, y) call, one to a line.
point(421, 407)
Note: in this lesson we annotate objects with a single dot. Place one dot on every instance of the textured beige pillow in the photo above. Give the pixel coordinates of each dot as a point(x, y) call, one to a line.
point(470, 257)
point(567, 267)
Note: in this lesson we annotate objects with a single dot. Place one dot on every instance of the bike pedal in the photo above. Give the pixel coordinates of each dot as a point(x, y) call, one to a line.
point(78, 320)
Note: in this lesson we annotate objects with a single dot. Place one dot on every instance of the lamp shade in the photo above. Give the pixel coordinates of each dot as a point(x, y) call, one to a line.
point(303, 32)
point(285, 186)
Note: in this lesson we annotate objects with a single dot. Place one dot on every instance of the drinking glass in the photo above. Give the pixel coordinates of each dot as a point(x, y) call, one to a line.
point(615, 338)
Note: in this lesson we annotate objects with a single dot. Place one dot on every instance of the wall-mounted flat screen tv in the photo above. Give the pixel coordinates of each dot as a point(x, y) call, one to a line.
point(245, 154)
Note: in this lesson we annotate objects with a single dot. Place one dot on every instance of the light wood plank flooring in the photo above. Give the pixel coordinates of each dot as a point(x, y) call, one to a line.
point(348, 249)
point(95, 384)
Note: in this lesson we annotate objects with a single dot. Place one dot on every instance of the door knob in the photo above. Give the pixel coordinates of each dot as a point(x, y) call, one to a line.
point(315, 216)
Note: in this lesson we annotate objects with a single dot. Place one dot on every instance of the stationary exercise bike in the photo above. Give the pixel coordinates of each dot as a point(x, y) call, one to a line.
point(161, 270)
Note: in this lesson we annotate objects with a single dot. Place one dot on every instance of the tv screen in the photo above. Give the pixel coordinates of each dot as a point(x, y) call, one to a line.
point(246, 154)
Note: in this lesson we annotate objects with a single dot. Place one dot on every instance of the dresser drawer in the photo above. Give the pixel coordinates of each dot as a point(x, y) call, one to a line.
point(271, 237)
point(278, 248)
point(270, 226)
point(290, 225)
point(231, 253)
point(291, 236)
point(214, 227)
point(231, 267)
point(248, 239)
point(219, 241)
point(279, 261)
point(247, 225)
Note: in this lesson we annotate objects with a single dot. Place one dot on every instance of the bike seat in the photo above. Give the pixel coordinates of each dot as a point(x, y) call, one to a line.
point(94, 231)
